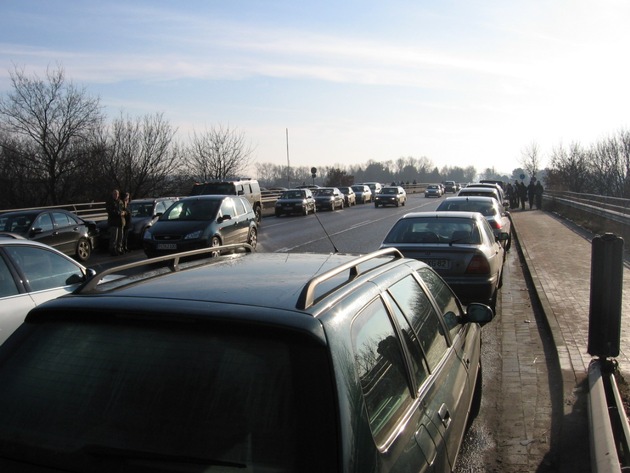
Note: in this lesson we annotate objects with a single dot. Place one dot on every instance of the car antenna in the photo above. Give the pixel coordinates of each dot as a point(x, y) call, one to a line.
point(324, 228)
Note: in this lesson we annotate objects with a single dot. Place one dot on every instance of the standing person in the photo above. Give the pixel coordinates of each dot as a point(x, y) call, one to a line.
point(509, 192)
point(522, 194)
point(531, 193)
point(539, 194)
point(115, 221)
point(127, 222)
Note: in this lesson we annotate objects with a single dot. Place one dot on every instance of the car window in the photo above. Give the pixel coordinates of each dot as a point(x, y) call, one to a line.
point(7, 283)
point(63, 220)
point(418, 309)
point(44, 269)
point(239, 207)
point(381, 369)
point(446, 300)
point(227, 208)
point(209, 393)
point(161, 207)
point(44, 222)
point(419, 367)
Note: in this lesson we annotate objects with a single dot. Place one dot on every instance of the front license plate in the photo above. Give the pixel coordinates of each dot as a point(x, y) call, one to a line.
point(166, 246)
point(438, 263)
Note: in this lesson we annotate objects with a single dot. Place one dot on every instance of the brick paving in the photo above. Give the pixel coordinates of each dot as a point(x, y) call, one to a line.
point(558, 258)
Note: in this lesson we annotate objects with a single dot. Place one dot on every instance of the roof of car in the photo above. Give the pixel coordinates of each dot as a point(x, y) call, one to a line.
point(479, 198)
point(444, 214)
point(287, 281)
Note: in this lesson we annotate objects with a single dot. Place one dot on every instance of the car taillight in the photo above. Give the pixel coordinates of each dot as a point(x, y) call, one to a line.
point(478, 265)
point(494, 224)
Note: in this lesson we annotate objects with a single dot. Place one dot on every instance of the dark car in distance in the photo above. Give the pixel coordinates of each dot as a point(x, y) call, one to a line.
point(329, 198)
point(295, 201)
point(202, 221)
point(58, 228)
point(226, 363)
point(390, 195)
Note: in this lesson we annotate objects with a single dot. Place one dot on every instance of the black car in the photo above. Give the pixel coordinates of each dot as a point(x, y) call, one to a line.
point(58, 228)
point(295, 201)
point(329, 198)
point(391, 195)
point(200, 222)
point(276, 362)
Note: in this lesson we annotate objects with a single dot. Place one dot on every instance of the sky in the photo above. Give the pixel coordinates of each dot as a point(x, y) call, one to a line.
point(460, 82)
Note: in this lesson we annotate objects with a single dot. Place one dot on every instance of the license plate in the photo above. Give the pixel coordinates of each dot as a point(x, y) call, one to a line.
point(166, 246)
point(438, 263)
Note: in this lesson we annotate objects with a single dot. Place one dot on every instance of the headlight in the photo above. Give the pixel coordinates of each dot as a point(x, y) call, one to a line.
point(193, 235)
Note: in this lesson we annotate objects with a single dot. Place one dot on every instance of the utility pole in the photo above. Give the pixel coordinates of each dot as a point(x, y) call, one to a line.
point(288, 163)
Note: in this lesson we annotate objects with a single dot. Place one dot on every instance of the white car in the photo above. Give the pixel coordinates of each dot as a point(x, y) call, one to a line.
point(32, 273)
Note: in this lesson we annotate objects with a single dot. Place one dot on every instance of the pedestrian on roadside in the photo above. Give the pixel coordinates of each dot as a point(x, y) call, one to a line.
point(127, 222)
point(539, 194)
point(522, 194)
point(115, 222)
point(531, 193)
point(509, 192)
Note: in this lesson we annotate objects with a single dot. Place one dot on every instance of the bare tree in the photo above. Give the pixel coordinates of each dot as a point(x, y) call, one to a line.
point(141, 155)
point(530, 159)
point(218, 153)
point(53, 119)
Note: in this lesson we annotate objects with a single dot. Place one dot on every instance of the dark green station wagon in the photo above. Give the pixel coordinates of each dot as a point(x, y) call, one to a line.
point(245, 362)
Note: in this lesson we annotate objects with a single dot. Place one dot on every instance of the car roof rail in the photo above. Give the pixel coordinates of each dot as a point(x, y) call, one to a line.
point(307, 296)
point(173, 266)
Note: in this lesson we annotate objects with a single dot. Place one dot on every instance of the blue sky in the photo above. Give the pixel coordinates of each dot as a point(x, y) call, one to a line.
point(462, 82)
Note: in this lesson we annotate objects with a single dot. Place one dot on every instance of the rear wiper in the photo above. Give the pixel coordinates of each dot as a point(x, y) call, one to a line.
point(114, 452)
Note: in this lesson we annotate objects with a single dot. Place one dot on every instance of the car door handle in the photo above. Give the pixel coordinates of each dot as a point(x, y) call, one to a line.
point(445, 416)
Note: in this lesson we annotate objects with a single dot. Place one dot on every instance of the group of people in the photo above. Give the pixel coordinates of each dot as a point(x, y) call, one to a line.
point(118, 222)
point(520, 194)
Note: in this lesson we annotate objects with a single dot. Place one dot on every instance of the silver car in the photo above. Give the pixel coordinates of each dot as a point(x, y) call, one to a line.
point(460, 246)
point(32, 273)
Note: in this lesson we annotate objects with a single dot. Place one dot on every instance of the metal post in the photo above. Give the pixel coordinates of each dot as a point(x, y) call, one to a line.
point(604, 329)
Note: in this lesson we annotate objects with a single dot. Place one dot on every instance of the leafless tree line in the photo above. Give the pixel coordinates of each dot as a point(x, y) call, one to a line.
point(56, 147)
point(602, 168)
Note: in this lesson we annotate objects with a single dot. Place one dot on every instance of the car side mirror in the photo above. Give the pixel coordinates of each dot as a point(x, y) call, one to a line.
point(478, 313)
point(225, 217)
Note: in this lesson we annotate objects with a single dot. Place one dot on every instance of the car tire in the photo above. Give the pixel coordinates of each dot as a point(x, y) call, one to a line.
point(252, 237)
point(258, 213)
point(278, 214)
point(509, 242)
point(214, 242)
point(83, 250)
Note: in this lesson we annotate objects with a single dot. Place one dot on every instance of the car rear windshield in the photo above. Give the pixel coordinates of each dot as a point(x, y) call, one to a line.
point(214, 188)
point(167, 394)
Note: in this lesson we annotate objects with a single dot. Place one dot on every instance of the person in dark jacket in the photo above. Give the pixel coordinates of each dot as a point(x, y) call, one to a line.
point(127, 223)
point(115, 222)
point(539, 194)
point(522, 194)
point(531, 193)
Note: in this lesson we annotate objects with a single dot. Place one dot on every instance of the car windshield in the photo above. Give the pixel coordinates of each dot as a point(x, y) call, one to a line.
point(434, 230)
point(389, 190)
point(141, 209)
point(204, 209)
point(325, 192)
point(357, 188)
point(484, 208)
point(292, 195)
point(161, 392)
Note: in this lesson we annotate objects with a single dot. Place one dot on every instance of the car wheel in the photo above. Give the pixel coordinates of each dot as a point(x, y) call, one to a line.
point(305, 211)
point(214, 243)
point(404, 202)
point(278, 214)
point(83, 250)
point(375, 205)
point(258, 213)
point(509, 242)
point(252, 238)
point(397, 203)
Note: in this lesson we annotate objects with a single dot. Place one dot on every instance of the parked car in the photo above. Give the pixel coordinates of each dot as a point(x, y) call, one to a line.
point(329, 198)
point(375, 187)
point(225, 365)
point(144, 212)
point(391, 195)
point(490, 185)
point(482, 191)
point(460, 246)
point(433, 190)
point(245, 187)
point(32, 273)
point(200, 222)
point(350, 198)
point(291, 201)
point(496, 215)
point(363, 193)
point(58, 228)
